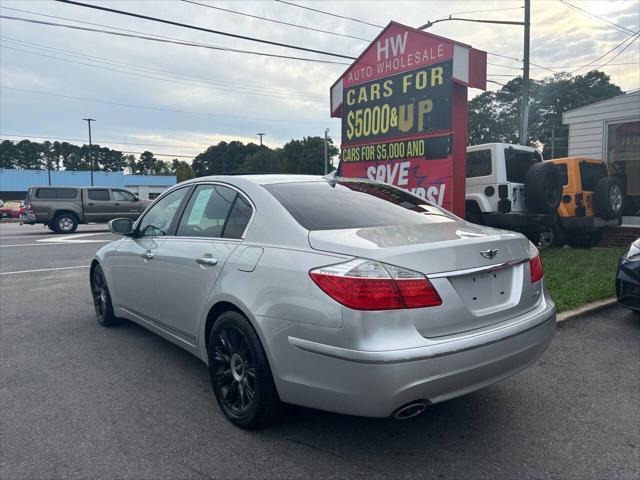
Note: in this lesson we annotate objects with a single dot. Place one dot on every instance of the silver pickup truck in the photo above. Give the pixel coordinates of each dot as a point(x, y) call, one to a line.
point(62, 209)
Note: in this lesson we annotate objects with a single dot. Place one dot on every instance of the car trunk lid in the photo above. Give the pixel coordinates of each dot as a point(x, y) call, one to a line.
point(481, 274)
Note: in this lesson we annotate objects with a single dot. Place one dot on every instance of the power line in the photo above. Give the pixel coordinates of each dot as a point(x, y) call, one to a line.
point(616, 26)
point(71, 53)
point(620, 52)
point(176, 42)
point(277, 21)
point(147, 107)
point(203, 29)
point(226, 89)
point(630, 37)
point(330, 14)
point(497, 83)
point(114, 149)
point(112, 142)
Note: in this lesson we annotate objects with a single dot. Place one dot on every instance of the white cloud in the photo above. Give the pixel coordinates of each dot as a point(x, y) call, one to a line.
point(292, 91)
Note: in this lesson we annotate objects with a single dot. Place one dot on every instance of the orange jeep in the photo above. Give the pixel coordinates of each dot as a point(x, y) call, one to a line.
point(591, 202)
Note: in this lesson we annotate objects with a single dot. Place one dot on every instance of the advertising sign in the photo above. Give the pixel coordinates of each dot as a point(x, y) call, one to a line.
point(403, 109)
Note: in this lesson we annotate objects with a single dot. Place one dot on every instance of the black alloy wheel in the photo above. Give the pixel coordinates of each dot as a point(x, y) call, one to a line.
point(235, 371)
point(240, 374)
point(102, 298)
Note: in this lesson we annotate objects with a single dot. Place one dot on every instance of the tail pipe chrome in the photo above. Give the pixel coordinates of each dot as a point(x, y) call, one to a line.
point(410, 410)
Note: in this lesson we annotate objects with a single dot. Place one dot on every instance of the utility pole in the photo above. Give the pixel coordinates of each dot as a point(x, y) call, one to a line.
point(326, 150)
point(524, 112)
point(89, 120)
point(261, 135)
point(553, 142)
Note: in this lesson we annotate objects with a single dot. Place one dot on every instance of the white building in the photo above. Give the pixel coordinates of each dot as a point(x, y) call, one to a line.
point(610, 130)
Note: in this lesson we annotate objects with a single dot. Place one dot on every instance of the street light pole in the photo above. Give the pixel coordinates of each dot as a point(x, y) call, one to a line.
point(261, 135)
point(524, 106)
point(326, 150)
point(524, 118)
point(89, 120)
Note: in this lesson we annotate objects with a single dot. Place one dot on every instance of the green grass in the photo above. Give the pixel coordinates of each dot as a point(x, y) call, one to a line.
point(575, 277)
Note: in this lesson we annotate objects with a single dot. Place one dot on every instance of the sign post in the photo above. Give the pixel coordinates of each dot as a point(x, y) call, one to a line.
point(403, 105)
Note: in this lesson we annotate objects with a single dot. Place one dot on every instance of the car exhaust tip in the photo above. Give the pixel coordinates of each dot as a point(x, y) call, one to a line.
point(410, 410)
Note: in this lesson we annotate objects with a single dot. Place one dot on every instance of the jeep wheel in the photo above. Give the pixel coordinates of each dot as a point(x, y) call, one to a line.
point(552, 236)
point(608, 198)
point(65, 223)
point(543, 188)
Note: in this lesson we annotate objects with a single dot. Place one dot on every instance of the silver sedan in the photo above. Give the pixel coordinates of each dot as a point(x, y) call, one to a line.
point(337, 294)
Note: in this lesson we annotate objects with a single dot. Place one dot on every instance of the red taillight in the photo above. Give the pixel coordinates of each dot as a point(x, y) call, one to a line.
point(535, 265)
point(368, 285)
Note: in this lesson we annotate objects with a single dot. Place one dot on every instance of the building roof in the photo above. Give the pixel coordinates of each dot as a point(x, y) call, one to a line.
point(626, 98)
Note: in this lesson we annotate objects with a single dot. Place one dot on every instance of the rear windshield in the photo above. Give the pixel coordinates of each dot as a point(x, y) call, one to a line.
point(518, 162)
point(350, 204)
point(590, 173)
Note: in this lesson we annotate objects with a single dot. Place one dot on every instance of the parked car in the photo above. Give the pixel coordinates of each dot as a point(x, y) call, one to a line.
point(510, 187)
point(62, 209)
point(628, 278)
point(338, 294)
point(12, 209)
point(592, 201)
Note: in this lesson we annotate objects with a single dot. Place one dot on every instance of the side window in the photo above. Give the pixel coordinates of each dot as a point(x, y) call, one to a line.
point(478, 163)
point(46, 193)
point(123, 196)
point(158, 219)
point(98, 195)
point(564, 175)
point(207, 211)
point(238, 218)
point(67, 193)
point(153, 195)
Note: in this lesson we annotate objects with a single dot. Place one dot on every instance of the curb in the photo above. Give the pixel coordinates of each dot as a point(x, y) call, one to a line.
point(586, 309)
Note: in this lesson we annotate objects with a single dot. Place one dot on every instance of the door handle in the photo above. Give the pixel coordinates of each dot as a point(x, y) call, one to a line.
point(90, 203)
point(207, 261)
point(147, 255)
point(116, 203)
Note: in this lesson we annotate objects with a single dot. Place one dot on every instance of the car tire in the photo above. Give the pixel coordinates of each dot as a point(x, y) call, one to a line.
point(543, 188)
point(584, 239)
point(102, 298)
point(608, 198)
point(65, 223)
point(240, 374)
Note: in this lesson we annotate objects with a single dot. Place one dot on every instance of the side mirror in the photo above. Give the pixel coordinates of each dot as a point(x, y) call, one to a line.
point(121, 226)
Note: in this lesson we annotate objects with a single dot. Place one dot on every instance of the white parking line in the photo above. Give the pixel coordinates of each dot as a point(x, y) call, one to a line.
point(78, 238)
point(36, 244)
point(43, 270)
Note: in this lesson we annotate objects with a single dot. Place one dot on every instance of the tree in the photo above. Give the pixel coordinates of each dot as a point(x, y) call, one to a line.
point(306, 156)
point(182, 170)
point(495, 116)
point(7, 154)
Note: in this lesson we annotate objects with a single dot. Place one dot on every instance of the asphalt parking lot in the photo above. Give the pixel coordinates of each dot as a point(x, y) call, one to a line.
point(81, 401)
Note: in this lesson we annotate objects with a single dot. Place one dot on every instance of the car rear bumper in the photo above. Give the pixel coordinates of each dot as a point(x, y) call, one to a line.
point(524, 222)
point(588, 223)
point(377, 383)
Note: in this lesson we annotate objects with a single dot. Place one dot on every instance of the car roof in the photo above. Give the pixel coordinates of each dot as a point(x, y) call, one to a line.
point(264, 179)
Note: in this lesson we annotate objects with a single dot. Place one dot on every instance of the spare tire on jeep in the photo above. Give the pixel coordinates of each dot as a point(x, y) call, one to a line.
point(608, 198)
point(542, 188)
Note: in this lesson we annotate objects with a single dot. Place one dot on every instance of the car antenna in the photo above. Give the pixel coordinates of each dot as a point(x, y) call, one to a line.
point(332, 177)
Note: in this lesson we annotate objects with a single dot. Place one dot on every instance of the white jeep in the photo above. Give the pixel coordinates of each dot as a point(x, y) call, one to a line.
point(509, 186)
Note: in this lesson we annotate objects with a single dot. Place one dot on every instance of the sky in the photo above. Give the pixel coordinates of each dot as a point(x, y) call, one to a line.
point(176, 100)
